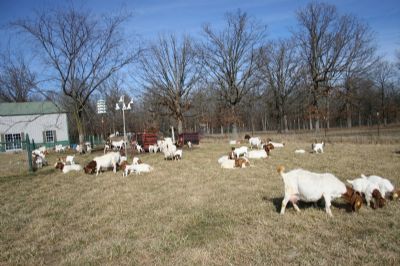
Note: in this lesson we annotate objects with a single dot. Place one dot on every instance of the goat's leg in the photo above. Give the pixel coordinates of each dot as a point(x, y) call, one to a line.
point(296, 207)
point(328, 205)
point(284, 203)
point(368, 200)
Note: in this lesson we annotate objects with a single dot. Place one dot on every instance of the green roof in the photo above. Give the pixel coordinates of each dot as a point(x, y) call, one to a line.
point(29, 108)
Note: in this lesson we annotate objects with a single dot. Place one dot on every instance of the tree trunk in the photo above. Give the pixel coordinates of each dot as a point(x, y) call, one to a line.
point(317, 124)
point(234, 130)
point(222, 130)
point(285, 122)
point(180, 125)
point(348, 114)
point(78, 115)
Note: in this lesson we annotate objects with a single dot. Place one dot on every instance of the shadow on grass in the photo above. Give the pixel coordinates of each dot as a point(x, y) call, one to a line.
point(277, 202)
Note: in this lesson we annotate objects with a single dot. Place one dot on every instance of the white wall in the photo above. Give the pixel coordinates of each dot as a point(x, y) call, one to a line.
point(34, 125)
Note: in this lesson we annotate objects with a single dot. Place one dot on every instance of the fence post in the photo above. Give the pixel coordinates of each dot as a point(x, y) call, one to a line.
point(29, 151)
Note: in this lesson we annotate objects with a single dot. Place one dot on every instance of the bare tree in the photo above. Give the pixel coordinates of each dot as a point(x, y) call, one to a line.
point(82, 49)
point(170, 75)
point(329, 43)
point(17, 81)
point(280, 67)
point(230, 58)
point(383, 74)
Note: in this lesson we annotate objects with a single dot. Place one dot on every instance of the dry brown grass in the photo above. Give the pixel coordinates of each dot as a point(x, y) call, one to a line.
point(192, 212)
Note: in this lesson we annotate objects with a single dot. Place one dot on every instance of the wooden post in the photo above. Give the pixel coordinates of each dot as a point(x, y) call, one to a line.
point(29, 151)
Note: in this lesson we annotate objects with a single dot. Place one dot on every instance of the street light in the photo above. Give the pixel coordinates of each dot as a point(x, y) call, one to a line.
point(123, 108)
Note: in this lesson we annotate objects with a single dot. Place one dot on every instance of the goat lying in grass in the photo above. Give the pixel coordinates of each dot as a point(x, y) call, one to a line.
point(260, 154)
point(276, 144)
point(236, 163)
point(310, 187)
point(137, 169)
point(66, 168)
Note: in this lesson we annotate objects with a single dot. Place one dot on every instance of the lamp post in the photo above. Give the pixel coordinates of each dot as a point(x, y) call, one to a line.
point(123, 108)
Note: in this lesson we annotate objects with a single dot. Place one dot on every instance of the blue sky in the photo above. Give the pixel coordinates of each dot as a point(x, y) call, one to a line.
point(152, 17)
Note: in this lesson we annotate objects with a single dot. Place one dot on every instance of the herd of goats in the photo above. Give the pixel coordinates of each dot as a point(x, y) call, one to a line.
point(299, 184)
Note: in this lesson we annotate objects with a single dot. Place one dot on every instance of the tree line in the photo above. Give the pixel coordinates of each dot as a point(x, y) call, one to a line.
point(326, 74)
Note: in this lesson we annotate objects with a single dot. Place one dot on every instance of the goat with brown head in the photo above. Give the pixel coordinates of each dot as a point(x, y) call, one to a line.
point(241, 163)
point(268, 147)
point(231, 154)
point(59, 165)
point(90, 168)
point(379, 201)
point(354, 198)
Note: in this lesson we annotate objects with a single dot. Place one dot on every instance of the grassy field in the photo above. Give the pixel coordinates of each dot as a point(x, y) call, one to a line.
point(192, 212)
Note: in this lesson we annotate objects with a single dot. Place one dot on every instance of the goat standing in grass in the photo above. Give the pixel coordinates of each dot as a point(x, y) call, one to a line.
point(310, 187)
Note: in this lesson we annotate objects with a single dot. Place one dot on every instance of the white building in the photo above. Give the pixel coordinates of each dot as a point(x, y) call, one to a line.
point(45, 123)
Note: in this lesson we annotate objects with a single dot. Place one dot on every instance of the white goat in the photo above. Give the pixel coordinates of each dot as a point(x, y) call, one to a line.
point(257, 154)
point(138, 168)
point(169, 151)
point(369, 189)
point(153, 148)
point(139, 148)
point(255, 141)
point(106, 148)
point(59, 148)
point(189, 143)
point(385, 186)
point(136, 160)
point(70, 159)
point(178, 155)
point(318, 147)
point(67, 168)
point(88, 147)
point(241, 151)
point(118, 144)
point(277, 144)
point(310, 187)
point(107, 160)
point(233, 142)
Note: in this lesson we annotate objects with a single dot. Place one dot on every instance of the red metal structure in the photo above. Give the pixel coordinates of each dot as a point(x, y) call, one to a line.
point(145, 139)
point(193, 137)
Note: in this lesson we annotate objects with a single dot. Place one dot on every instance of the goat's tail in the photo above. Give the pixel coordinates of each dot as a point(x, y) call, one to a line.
point(280, 169)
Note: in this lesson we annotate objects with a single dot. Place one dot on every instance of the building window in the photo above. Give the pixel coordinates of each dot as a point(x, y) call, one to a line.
point(49, 136)
point(13, 141)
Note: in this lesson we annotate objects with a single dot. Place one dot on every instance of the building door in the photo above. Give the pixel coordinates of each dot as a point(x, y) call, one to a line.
point(13, 142)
